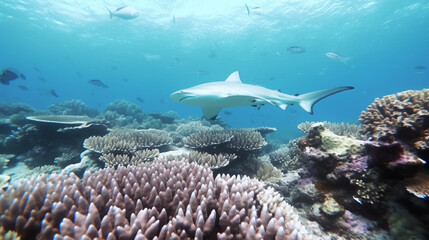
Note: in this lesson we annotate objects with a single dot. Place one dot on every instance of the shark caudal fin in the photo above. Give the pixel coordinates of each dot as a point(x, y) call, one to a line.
point(307, 100)
point(110, 12)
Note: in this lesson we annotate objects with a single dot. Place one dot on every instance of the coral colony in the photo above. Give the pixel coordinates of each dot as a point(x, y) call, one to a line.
point(70, 172)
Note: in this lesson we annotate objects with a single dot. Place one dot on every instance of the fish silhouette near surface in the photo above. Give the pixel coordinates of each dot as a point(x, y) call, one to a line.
point(10, 74)
point(296, 49)
point(124, 12)
point(53, 93)
point(253, 10)
point(337, 57)
point(214, 96)
point(22, 87)
point(98, 83)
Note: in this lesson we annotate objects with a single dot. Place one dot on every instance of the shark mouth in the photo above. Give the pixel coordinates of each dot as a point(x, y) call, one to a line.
point(183, 98)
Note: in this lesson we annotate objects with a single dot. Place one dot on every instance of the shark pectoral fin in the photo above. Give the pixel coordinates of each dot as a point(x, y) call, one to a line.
point(283, 106)
point(211, 112)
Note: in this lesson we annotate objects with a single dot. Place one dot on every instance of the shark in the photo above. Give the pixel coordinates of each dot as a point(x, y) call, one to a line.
point(214, 96)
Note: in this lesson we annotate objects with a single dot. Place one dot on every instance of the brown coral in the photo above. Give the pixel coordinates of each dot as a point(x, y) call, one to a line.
point(404, 115)
point(419, 185)
point(166, 200)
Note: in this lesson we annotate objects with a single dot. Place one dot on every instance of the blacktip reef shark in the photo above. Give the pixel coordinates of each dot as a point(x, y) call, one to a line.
point(214, 96)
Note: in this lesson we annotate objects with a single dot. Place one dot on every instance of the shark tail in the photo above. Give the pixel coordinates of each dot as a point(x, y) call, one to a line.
point(247, 8)
point(307, 100)
point(110, 12)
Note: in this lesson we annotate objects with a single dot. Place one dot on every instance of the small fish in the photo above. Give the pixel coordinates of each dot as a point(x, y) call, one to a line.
point(22, 87)
point(337, 57)
point(139, 99)
point(254, 10)
point(174, 19)
point(113, 67)
point(98, 83)
point(10, 74)
point(296, 49)
point(212, 54)
point(420, 67)
point(53, 93)
point(42, 79)
point(227, 112)
point(124, 12)
point(37, 69)
point(79, 74)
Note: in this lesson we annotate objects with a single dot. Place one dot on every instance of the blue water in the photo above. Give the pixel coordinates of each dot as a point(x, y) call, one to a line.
point(178, 44)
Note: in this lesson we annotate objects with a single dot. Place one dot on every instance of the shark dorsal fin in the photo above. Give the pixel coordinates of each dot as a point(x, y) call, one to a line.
point(234, 77)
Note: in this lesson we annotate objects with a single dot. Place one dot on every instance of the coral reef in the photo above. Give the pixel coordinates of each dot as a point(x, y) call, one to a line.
point(73, 107)
point(287, 158)
point(160, 199)
point(136, 158)
point(402, 116)
point(122, 113)
point(4, 180)
point(342, 129)
point(4, 160)
point(214, 161)
point(235, 140)
point(419, 185)
point(128, 146)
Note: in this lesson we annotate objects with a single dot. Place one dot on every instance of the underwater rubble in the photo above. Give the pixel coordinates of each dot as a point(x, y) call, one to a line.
point(70, 172)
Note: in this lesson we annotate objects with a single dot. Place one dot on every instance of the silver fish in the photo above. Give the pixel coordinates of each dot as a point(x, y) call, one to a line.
point(337, 57)
point(296, 49)
point(124, 12)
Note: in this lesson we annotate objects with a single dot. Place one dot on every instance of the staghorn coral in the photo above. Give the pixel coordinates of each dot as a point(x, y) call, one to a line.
point(166, 200)
point(342, 129)
point(404, 115)
point(127, 141)
point(123, 159)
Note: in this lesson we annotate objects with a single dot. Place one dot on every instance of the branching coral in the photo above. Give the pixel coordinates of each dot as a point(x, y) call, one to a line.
point(124, 159)
point(234, 140)
point(288, 157)
point(128, 146)
point(214, 161)
point(127, 141)
point(206, 139)
point(166, 200)
point(404, 115)
point(246, 140)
